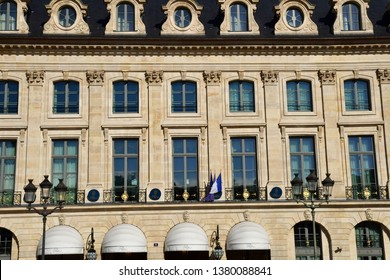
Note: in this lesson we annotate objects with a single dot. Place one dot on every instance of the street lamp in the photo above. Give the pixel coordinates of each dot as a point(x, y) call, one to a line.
point(312, 192)
point(217, 251)
point(91, 252)
point(30, 196)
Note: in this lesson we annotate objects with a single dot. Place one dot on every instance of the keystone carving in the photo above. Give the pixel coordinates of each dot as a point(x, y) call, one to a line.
point(95, 78)
point(270, 77)
point(327, 77)
point(35, 77)
point(383, 76)
point(212, 78)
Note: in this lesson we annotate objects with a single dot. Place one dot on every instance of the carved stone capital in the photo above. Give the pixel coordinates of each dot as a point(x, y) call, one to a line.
point(327, 77)
point(154, 77)
point(270, 77)
point(383, 76)
point(212, 78)
point(35, 78)
point(95, 78)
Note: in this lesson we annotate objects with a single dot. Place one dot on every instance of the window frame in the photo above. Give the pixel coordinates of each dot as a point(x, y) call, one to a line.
point(241, 92)
point(355, 98)
point(4, 109)
point(67, 94)
point(21, 26)
point(184, 95)
point(7, 194)
point(10, 12)
point(307, 252)
point(298, 95)
point(125, 98)
point(132, 191)
point(71, 195)
point(363, 232)
point(179, 191)
point(6, 239)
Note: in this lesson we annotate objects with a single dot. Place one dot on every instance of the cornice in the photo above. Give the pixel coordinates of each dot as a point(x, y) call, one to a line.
point(194, 46)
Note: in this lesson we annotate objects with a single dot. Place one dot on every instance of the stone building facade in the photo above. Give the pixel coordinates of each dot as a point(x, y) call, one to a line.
point(135, 104)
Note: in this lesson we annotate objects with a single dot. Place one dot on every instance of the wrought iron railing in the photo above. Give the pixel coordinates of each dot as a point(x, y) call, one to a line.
point(366, 192)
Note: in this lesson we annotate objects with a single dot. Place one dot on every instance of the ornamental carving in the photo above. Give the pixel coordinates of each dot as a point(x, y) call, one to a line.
point(327, 77)
point(383, 76)
point(95, 78)
point(212, 78)
point(35, 77)
point(154, 77)
point(270, 77)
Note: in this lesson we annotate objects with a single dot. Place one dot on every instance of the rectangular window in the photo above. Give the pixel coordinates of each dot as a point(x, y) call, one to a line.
point(244, 168)
point(125, 17)
point(126, 169)
point(302, 156)
point(363, 169)
point(9, 97)
point(7, 171)
point(126, 97)
point(351, 17)
point(184, 97)
point(65, 166)
point(239, 17)
point(8, 13)
point(241, 96)
point(185, 168)
point(299, 97)
point(66, 97)
point(357, 95)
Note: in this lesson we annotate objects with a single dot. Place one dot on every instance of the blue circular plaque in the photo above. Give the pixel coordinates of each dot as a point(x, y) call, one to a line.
point(155, 194)
point(93, 195)
point(276, 192)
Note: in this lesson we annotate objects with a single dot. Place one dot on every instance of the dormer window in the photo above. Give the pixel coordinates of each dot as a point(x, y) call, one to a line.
point(66, 17)
point(352, 17)
point(125, 17)
point(239, 17)
point(182, 18)
point(295, 18)
point(12, 19)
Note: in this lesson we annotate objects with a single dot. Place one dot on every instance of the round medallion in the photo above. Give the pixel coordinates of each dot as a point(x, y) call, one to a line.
point(155, 194)
point(93, 195)
point(276, 192)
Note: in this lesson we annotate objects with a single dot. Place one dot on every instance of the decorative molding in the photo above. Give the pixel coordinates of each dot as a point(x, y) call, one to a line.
point(212, 78)
point(186, 216)
point(270, 77)
point(247, 215)
point(369, 214)
point(53, 26)
point(195, 27)
point(35, 78)
point(308, 26)
point(154, 77)
point(327, 77)
point(95, 78)
point(124, 218)
point(383, 76)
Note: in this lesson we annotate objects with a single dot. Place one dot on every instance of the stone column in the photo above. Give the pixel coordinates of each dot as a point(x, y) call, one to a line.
point(330, 98)
point(34, 159)
point(273, 134)
point(96, 159)
point(384, 83)
point(214, 118)
point(157, 158)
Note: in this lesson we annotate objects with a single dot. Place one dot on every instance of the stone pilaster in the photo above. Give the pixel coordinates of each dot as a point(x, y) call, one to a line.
point(273, 134)
point(35, 80)
point(157, 159)
point(215, 142)
point(384, 84)
point(333, 151)
point(95, 176)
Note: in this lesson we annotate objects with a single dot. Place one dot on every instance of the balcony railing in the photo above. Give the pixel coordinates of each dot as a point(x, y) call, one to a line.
point(366, 192)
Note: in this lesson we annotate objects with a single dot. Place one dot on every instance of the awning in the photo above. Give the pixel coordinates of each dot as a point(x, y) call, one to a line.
point(124, 239)
point(186, 237)
point(247, 236)
point(62, 240)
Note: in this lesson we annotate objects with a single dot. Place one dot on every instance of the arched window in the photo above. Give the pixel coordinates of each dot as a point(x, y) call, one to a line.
point(239, 17)
point(126, 97)
point(5, 244)
point(241, 96)
point(304, 241)
point(66, 97)
point(184, 97)
point(351, 17)
point(357, 95)
point(299, 96)
point(8, 15)
point(9, 97)
point(369, 241)
point(125, 17)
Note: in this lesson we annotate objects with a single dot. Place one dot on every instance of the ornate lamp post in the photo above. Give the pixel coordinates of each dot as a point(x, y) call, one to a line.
point(30, 196)
point(217, 251)
point(312, 192)
point(91, 252)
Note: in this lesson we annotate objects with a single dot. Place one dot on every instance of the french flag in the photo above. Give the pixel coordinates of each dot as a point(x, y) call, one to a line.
point(217, 185)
